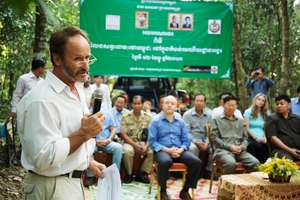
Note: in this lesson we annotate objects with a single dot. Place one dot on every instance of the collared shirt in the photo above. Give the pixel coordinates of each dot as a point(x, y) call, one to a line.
point(287, 130)
point(107, 124)
point(259, 86)
point(24, 84)
point(88, 91)
point(228, 132)
point(117, 116)
point(163, 133)
point(46, 117)
point(133, 126)
point(295, 106)
point(219, 111)
point(196, 123)
point(106, 101)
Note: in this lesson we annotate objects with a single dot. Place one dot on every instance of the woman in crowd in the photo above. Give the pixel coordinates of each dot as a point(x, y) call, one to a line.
point(256, 117)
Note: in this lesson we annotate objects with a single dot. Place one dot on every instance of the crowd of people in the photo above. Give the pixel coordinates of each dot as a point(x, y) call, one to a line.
point(57, 130)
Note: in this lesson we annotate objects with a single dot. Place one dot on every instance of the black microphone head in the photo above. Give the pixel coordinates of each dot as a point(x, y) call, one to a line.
point(97, 94)
point(97, 100)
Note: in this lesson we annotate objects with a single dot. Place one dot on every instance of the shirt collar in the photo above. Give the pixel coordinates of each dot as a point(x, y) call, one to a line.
point(55, 82)
point(163, 116)
point(224, 117)
point(131, 112)
point(290, 115)
point(116, 111)
point(195, 113)
point(31, 75)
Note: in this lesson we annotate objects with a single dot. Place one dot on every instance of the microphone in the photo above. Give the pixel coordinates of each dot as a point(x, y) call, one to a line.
point(97, 100)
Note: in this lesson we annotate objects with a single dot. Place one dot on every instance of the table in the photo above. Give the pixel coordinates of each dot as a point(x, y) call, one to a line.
point(256, 186)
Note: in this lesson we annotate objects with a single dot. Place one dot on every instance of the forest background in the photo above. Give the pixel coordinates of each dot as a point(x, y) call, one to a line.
point(266, 33)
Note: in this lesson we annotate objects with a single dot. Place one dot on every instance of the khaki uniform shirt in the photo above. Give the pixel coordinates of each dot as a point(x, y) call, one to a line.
point(133, 126)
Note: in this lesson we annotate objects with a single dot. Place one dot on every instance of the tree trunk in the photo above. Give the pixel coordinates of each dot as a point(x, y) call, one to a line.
point(284, 82)
point(40, 40)
point(239, 70)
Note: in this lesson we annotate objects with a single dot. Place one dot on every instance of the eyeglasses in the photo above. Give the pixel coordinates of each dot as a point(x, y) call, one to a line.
point(91, 60)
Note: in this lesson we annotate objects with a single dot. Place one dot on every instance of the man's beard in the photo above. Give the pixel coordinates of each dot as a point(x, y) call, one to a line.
point(73, 75)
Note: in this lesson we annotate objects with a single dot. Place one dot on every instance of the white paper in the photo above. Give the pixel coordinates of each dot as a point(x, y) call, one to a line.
point(109, 187)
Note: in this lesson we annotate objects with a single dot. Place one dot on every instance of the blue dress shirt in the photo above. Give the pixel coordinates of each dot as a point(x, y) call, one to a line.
point(163, 133)
point(108, 122)
point(118, 117)
point(295, 106)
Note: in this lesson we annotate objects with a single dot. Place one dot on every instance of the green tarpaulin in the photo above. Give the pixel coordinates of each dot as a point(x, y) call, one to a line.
point(157, 38)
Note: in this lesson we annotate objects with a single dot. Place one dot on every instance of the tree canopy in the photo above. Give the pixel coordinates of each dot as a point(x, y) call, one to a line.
point(267, 34)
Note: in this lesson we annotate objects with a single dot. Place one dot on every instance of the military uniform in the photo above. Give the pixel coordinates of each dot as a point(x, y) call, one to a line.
point(133, 126)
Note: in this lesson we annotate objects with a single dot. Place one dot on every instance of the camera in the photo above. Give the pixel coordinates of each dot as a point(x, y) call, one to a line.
point(256, 73)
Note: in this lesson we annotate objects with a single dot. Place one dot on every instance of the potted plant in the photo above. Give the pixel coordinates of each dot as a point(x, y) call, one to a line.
point(279, 169)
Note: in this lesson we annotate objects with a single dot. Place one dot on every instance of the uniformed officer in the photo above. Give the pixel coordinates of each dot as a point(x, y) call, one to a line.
point(134, 127)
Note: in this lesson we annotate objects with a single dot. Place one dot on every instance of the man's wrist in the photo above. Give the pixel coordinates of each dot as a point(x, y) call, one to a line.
point(83, 135)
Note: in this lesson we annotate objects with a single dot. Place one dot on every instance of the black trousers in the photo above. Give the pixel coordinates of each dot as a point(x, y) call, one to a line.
point(258, 150)
point(165, 161)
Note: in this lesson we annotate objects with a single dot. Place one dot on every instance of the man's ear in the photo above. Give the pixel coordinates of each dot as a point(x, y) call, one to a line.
point(57, 61)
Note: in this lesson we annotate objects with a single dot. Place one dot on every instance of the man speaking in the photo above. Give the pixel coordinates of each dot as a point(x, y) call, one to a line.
point(55, 130)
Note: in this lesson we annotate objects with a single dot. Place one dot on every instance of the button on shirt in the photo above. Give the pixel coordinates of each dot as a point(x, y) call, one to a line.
point(24, 84)
point(228, 132)
point(196, 123)
point(46, 117)
point(295, 106)
point(108, 122)
point(117, 116)
point(168, 134)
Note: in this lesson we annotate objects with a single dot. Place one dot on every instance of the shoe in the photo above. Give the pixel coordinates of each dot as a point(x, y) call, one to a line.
point(164, 196)
point(128, 179)
point(185, 196)
point(143, 178)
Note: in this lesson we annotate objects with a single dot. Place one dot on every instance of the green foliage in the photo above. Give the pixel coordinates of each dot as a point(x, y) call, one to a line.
point(211, 88)
point(279, 167)
point(260, 42)
point(17, 26)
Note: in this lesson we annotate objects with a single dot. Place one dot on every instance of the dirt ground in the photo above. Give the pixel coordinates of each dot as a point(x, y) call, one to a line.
point(10, 182)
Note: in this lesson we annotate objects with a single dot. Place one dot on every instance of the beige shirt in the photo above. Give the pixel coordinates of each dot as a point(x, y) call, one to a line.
point(46, 117)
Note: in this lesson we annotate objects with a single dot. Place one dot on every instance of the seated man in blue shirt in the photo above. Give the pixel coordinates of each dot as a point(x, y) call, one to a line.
point(169, 139)
point(104, 140)
point(118, 111)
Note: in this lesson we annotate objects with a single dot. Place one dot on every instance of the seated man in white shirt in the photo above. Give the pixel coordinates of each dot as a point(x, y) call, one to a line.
point(26, 82)
point(219, 111)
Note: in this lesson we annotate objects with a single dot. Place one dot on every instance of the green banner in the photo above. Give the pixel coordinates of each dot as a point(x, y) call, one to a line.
point(159, 38)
